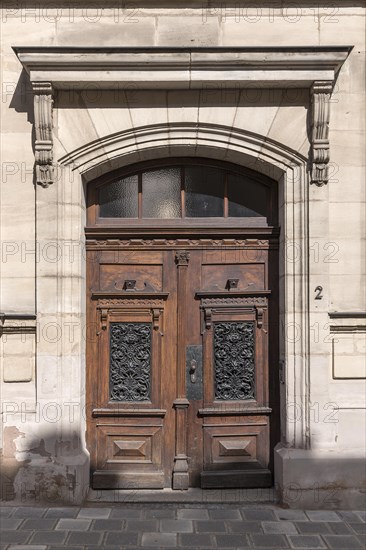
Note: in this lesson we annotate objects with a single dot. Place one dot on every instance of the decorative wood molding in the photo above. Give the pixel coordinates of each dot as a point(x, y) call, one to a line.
point(239, 298)
point(234, 411)
point(136, 303)
point(105, 297)
point(152, 302)
point(230, 307)
point(43, 125)
point(213, 303)
point(235, 301)
point(93, 243)
point(121, 411)
point(321, 92)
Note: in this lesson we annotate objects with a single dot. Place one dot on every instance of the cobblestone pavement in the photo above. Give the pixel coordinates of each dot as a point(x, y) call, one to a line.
point(170, 526)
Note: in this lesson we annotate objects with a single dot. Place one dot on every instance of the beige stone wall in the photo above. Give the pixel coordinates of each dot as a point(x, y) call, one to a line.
point(42, 255)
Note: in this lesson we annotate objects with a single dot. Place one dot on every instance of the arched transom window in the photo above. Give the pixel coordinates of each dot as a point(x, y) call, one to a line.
point(184, 189)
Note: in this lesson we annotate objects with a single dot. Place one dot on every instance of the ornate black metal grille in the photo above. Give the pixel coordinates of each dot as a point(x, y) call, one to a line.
point(130, 361)
point(234, 358)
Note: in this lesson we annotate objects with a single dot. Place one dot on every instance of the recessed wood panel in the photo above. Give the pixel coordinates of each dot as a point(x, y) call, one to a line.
point(129, 447)
point(234, 442)
point(147, 277)
point(250, 276)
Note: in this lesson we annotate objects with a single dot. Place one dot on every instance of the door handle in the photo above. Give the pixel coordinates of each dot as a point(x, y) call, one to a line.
point(192, 371)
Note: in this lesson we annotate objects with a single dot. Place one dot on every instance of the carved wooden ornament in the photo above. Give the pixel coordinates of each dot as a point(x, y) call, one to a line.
point(182, 257)
point(43, 104)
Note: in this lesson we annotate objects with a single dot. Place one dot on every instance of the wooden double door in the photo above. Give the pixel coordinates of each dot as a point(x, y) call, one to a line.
point(178, 379)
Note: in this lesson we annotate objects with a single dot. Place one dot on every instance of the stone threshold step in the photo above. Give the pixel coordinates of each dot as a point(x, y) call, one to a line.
point(193, 495)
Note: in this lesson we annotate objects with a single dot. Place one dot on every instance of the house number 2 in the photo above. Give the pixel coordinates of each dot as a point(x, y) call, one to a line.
point(319, 290)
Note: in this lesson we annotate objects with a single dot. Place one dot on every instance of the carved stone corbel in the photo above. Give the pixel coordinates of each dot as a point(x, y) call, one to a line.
point(320, 113)
point(43, 104)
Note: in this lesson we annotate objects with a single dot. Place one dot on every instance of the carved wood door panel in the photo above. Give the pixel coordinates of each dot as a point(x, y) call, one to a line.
point(228, 298)
point(177, 383)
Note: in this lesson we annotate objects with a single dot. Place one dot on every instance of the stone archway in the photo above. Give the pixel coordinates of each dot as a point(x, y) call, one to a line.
point(255, 152)
point(290, 172)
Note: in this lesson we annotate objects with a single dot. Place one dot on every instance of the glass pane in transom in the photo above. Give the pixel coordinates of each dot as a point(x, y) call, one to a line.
point(247, 198)
point(119, 199)
point(204, 186)
point(161, 193)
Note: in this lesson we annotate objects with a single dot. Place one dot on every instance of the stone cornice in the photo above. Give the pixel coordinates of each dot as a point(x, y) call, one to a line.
point(315, 67)
point(182, 68)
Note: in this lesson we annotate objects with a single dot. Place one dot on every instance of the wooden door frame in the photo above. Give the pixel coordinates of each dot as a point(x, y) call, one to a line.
point(125, 243)
point(213, 230)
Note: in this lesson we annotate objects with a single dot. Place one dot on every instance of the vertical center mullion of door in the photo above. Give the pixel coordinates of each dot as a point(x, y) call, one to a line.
point(180, 470)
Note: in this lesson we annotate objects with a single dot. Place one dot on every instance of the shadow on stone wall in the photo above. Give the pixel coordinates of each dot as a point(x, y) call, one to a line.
point(22, 98)
point(176, 4)
point(133, 97)
point(47, 469)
